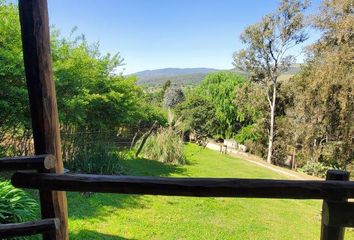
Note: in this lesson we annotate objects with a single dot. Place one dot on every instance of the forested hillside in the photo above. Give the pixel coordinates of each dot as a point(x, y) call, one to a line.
point(178, 76)
point(190, 76)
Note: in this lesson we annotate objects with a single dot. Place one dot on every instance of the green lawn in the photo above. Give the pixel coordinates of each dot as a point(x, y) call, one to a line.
point(113, 216)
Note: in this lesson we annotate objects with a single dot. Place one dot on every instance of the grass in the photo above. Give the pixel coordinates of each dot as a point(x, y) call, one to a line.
point(133, 217)
point(109, 216)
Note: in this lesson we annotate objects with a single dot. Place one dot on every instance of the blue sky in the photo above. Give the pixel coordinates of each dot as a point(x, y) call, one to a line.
point(151, 34)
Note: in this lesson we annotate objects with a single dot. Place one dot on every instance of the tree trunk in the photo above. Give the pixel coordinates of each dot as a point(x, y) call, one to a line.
point(272, 120)
point(133, 140)
point(293, 164)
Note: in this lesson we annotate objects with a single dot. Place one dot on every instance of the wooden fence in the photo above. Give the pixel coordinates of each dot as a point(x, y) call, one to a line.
point(46, 166)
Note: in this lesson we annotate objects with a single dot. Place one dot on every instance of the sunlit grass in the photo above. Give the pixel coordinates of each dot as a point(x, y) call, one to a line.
point(113, 216)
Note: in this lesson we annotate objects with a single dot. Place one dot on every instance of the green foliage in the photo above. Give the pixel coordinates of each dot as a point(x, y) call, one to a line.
point(92, 94)
point(165, 87)
point(266, 54)
point(219, 88)
point(268, 41)
point(15, 204)
point(97, 159)
point(321, 117)
point(13, 93)
point(197, 114)
point(314, 109)
point(316, 168)
point(247, 133)
point(165, 146)
point(250, 100)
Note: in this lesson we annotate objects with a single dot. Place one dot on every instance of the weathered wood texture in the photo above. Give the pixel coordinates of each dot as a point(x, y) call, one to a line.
point(201, 187)
point(28, 228)
point(42, 96)
point(38, 162)
point(329, 232)
point(338, 214)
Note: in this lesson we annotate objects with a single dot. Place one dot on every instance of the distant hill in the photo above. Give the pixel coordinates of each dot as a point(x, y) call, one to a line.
point(178, 76)
point(189, 76)
point(295, 68)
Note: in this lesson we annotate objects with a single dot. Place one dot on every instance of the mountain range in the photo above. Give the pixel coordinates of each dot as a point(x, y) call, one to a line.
point(178, 76)
point(187, 76)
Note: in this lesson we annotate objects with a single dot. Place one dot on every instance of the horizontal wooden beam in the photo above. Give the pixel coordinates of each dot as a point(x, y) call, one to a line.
point(28, 228)
point(28, 162)
point(338, 214)
point(199, 187)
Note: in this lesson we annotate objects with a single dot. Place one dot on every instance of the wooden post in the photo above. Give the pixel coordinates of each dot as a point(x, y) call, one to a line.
point(333, 232)
point(43, 103)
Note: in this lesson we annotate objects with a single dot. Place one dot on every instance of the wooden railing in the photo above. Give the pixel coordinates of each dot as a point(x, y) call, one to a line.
point(47, 175)
point(337, 213)
point(194, 187)
point(47, 226)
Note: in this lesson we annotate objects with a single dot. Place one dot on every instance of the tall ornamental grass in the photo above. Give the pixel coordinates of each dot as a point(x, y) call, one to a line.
point(165, 146)
point(99, 158)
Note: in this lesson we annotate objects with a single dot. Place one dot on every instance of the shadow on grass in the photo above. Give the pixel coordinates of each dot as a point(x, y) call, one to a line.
point(99, 205)
point(146, 167)
point(91, 235)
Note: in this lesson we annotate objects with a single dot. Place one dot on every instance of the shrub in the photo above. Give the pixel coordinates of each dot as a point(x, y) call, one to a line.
point(247, 133)
point(15, 204)
point(165, 146)
point(96, 159)
point(316, 168)
point(173, 96)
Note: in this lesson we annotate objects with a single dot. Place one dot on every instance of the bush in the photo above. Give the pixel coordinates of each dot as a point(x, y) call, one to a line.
point(97, 159)
point(316, 168)
point(248, 132)
point(165, 146)
point(15, 204)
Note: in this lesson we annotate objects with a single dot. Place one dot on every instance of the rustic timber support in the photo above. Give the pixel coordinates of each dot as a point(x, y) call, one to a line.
point(199, 187)
point(29, 228)
point(39, 162)
point(42, 98)
point(329, 230)
point(338, 214)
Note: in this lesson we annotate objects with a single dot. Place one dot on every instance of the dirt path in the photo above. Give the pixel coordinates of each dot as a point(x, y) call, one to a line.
point(260, 162)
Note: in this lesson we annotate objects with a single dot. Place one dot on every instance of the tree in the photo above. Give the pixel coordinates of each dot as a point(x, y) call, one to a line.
point(219, 88)
point(253, 110)
point(266, 55)
point(173, 96)
point(165, 87)
point(210, 109)
point(197, 114)
point(323, 114)
point(14, 106)
point(92, 96)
